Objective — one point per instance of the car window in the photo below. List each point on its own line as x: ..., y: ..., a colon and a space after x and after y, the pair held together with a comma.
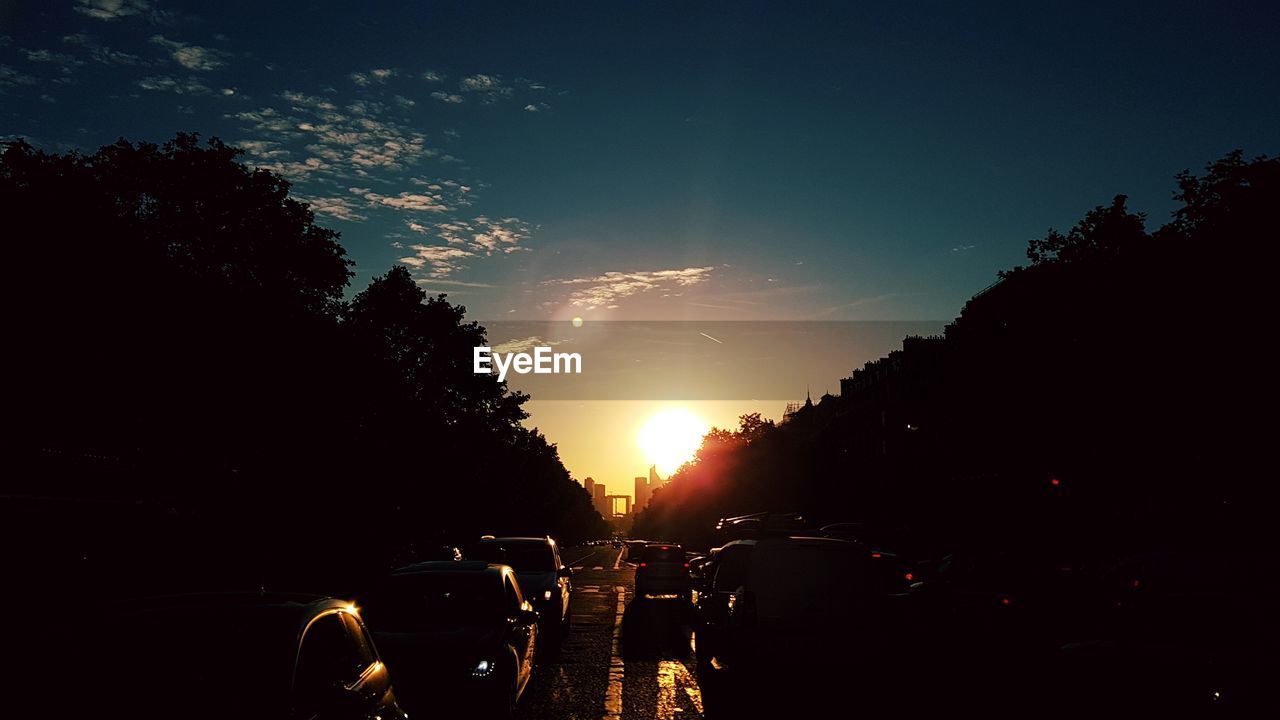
x: 421, y: 602
x: 330, y: 658
x: 663, y: 554
x: 362, y: 646
x: 731, y: 570
x: 522, y: 557
x: 515, y: 600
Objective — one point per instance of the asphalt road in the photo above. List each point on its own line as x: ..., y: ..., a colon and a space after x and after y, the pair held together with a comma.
x: 623, y: 659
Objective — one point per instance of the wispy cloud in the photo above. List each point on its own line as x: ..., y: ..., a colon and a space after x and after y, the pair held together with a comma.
x: 100, y: 53
x: 525, y: 344
x: 447, y: 98
x: 420, y: 202
x: 536, y: 107
x: 111, y: 9
x: 192, y: 57
x: 52, y: 58
x: 432, y: 76
x: 464, y: 240
x: 338, y: 207
x: 604, y: 291
x: 10, y: 77
x: 181, y: 86
x: 346, y: 141
x: 376, y: 76
x: 488, y: 88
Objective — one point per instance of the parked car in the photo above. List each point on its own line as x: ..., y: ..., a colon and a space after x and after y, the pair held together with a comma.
x: 241, y: 655
x: 787, y: 612
x: 543, y: 577
x: 459, y: 635
x: 662, y: 573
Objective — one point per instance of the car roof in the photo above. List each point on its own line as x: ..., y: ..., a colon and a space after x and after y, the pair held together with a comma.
x: 300, y: 603
x: 516, y: 539
x: 791, y: 539
x: 449, y: 566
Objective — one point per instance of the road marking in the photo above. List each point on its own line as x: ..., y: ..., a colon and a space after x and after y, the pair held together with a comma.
x: 615, y: 562
x: 577, y: 567
x: 617, y: 669
x: 597, y: 568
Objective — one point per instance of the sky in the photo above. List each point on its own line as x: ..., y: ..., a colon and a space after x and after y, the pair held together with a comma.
x: 659, y: 162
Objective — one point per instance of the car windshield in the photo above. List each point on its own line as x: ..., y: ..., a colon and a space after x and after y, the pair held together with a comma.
x: 522, y: 557
x: 663, y: 554
x: 423, y: 602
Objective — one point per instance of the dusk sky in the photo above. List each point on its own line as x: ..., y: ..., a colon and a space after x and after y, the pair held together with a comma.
x: 690, y: 161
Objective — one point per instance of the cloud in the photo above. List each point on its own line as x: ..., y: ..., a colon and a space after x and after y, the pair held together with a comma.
x: 351, y: 141
x: 102, y: 54
x: 437, y: 260
x: 536, y: 107
x: 339, y: 207
x: 962, y: 248
x: 374, y: 76
x: 111, y: 9
x: 403, y: 101
x: 166, y: 83
x: 9, y: 77
x: 525, y: 344
x: 55, y: 58
x: 465, y: 239
x: 447, y: 98
x: 192, y: 57
x: 488, y: 87
x: 432, y: 76
x: 605, y: 290
x: 484, y: 235
x: 420, y: 202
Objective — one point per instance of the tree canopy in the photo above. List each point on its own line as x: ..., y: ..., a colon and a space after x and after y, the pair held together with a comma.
x: 183, y: 337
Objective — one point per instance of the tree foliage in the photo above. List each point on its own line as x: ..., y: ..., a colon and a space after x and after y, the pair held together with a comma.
x: 182, y: 337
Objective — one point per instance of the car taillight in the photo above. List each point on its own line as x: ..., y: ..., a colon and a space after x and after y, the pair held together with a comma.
x: 644, y: 564
x: 909, y: 577
x: 686, y: 566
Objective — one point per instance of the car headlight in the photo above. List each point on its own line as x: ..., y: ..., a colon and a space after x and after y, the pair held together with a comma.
x: 484, y: 668
x: 546, y: 595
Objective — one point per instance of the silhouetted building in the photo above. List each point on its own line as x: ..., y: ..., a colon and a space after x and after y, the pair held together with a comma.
x: 599, y: 500
x: 645, y: 487
x: 613, y: 505
x: 590, y: 485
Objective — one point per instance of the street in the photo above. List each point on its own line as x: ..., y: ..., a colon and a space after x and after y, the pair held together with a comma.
x: 602, y: 673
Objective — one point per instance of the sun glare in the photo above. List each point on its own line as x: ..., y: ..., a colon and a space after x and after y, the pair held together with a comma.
x: 670, y: 438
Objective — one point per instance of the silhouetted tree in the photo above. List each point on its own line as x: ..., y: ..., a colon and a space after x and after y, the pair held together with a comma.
x: 1104, y: 232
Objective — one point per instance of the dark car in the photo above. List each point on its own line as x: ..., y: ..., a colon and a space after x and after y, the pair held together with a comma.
x: 662, y: 573
x: 237, y: 655
x: 543, y: 577
x: 785, y: 618
x: 458, y: 634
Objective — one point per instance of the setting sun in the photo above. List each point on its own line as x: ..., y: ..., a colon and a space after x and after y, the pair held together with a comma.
x: 670, y: 438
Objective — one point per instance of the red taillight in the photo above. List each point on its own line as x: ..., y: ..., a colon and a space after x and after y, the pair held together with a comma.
x: 686, y: 565
x: 875, y: 555
x: 643, y: 564
x: 909, y: 576
x: 1055, y: 482
x: 1004, y: 601
x: 664, y: 547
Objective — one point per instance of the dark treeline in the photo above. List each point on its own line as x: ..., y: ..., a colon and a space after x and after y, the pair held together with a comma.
x: 1107, y: 398
x: 192, y: 388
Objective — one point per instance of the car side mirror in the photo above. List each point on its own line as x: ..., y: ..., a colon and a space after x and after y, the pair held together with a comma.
x: 564, y: 572
x: 526, y: 616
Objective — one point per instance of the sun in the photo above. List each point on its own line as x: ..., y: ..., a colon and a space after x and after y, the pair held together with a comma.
x: 670, y: 438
